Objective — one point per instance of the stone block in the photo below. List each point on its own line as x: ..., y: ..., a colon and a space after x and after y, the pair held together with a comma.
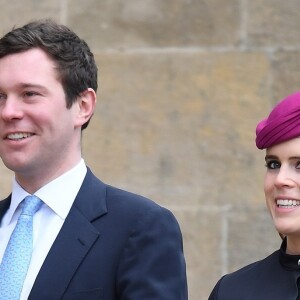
x: 180, y: 128
x: 202, y: 231
x: 251, y: 236
x: 154, y: 23
x: 17, y: 13
x: 273, y: 23
x: 286, y: 73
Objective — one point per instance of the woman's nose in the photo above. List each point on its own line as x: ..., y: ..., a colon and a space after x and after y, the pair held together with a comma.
x: 285, y: 178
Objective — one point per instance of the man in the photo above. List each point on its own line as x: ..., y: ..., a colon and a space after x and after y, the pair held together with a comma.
x: 90, y: 240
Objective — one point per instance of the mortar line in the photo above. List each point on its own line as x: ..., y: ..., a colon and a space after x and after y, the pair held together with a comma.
x: 192, y: 50
x: 243, y: 23
x: 224, y: 242
x: 64, y: 11
x: 270, y: 78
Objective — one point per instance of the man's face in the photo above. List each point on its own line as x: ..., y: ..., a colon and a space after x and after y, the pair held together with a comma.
x: 39, y: 137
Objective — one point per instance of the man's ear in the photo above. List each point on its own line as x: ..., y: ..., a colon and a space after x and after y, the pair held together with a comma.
x: 86, y: 105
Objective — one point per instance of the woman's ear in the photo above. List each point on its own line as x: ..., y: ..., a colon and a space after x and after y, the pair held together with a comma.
x: 86, y: 105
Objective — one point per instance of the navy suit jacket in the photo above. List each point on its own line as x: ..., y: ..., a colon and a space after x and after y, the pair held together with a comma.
x: 113, y: 245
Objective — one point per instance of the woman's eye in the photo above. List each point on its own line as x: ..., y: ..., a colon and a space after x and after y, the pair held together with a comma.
x: 2, y: 97
x: 273, y: 164
x: 298, y: 165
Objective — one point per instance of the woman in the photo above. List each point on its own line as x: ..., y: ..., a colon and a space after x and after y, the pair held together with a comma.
x: 277, y: 276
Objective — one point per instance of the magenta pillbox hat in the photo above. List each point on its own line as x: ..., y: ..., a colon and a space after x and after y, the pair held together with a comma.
x: 282, y: 124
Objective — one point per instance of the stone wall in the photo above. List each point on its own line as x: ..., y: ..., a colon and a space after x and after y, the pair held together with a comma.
x: 183, y: 84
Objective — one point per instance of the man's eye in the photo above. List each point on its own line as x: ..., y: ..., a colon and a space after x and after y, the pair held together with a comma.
x: 30, y: 94
x: 273, y: 164
x: 2, y: 96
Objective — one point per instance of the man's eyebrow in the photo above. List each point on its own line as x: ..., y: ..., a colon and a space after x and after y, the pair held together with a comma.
x: 32, y: 85
x: 25, y: 86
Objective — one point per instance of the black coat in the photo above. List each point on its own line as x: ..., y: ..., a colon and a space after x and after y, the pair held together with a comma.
x: 273, y: 278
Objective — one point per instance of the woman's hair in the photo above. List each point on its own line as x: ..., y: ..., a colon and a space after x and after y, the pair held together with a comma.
x: 74, y: 60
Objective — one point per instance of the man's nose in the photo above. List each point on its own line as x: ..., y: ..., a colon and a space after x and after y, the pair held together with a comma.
x: 11, y: 109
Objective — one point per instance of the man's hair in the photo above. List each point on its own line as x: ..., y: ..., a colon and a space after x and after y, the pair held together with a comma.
x: 75, y: 62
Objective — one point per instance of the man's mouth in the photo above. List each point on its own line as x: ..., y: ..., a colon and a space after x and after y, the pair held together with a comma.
x: 286, y: 203
x: 18, y: 136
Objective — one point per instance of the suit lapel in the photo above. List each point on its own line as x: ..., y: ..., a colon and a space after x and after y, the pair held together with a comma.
x: 73, y: 242
x: 4, y: 205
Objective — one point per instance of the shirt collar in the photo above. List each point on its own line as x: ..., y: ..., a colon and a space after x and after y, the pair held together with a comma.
x: 59, y: 194
x: 288, y: 261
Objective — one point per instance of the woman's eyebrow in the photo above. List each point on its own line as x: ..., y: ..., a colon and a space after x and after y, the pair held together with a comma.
x: 294, y: 157
x: 268, y: 157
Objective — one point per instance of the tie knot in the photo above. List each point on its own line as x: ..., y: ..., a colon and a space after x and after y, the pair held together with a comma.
x: 31, y: 205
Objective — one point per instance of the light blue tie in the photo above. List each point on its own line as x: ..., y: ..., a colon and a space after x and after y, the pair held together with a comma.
x: 16, y: 259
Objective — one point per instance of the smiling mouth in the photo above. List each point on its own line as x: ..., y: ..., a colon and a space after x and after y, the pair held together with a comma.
x: 285, y: 203
x: 18, y: 136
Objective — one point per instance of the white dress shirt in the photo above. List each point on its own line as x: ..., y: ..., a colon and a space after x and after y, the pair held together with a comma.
x: 58, y: 197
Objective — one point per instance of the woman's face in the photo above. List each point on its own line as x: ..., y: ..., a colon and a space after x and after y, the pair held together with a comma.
x: 282, y: 186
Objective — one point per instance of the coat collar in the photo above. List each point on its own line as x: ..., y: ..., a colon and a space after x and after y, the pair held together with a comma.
x: 75, y: 239
x: 95, y: 191
x: 92, y: 209
x: 288, y: 261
